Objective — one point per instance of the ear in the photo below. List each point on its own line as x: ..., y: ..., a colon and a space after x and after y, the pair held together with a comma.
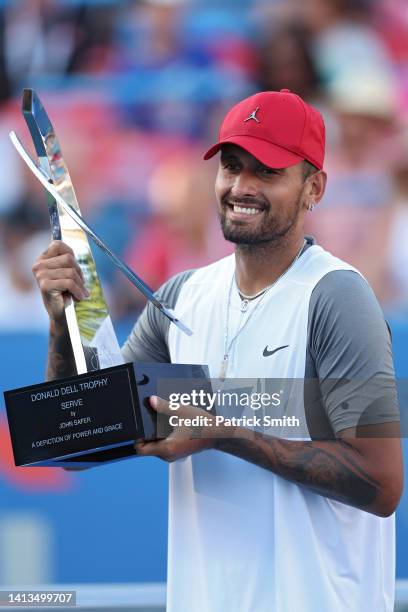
x: 315, y: 188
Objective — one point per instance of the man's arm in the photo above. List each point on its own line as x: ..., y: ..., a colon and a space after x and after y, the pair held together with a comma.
x: 60, y: 360
x: 58, y: 274
x: 365, y: 472
x: 349, y: 355
x: 362, y: 468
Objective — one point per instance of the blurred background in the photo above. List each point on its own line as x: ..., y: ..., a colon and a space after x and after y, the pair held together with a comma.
x: 136, y: 90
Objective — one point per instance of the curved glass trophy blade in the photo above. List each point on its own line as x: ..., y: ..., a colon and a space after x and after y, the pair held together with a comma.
x: 93, y: 339
x: 128, y: 272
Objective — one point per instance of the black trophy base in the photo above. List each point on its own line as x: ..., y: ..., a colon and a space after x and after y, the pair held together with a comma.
x: 93, y: 418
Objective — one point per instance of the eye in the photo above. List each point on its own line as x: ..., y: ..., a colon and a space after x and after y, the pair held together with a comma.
x: 231, y: 166
x: 266, y: 171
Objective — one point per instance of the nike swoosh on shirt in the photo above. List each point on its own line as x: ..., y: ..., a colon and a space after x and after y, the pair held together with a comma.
x: 267, y: 353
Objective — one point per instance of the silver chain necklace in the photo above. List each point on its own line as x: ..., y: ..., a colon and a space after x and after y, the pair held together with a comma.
x: 245, y: 299
x: 261, y: 294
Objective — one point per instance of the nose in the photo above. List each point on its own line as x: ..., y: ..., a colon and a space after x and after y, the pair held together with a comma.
x: 245, y: 184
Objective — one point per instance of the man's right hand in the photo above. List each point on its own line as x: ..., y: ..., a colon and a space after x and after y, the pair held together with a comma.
x: 58, y: 273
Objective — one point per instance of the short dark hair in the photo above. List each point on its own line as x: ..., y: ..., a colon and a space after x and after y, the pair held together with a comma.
x: 308, y: 169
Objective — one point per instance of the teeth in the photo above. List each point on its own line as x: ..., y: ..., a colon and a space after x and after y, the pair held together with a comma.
x: 247, y: 211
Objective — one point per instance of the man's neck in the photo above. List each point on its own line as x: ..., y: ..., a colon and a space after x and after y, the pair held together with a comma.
x: 258, y: 266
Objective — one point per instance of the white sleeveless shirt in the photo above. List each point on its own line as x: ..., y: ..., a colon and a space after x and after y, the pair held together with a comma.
x: 242, y: 539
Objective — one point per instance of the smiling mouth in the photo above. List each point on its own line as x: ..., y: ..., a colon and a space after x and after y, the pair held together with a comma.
x: 245, y: 210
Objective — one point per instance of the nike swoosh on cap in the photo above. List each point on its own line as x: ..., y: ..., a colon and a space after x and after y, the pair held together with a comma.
x: 267, y: 353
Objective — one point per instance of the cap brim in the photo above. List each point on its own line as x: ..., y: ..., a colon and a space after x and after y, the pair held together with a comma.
x: 267, y: 153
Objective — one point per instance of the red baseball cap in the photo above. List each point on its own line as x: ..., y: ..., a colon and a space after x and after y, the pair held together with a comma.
x: 276, y: 127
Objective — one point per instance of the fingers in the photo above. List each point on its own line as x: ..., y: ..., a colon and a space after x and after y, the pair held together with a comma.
x: 49, y: 287
x: 61, y: 260
x: 57, y: 272
x: 160, y: 405
x: 60, y: 273
x: 52, y: 279
x: 170, y: 449
x: 66, y: 260
x: 166, y: 449
x: 57, y: 247
x: 157, y: 448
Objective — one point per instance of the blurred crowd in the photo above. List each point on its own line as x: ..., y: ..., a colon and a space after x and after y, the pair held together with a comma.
x: 136, y: 90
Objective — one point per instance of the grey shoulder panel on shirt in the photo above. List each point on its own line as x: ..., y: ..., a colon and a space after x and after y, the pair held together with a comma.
x: 148, y: 340
x: 349, y: 354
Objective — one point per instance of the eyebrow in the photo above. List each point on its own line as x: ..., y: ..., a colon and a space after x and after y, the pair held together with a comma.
x: 225, y: 155
x: 232, y: 157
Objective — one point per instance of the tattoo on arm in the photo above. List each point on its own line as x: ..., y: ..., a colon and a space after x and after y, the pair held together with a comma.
x: 331, y: 468
x: 61, y: 361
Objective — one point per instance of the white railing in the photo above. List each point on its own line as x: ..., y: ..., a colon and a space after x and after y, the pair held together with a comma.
x: 138, y: 597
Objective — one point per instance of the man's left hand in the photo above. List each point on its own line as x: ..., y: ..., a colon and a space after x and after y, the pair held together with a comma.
x: 184, y: 440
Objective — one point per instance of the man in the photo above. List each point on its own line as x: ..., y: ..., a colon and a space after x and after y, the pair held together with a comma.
x: 260, y: 523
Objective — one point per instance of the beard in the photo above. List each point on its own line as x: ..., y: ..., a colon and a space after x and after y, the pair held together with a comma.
x: 268, y: 229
